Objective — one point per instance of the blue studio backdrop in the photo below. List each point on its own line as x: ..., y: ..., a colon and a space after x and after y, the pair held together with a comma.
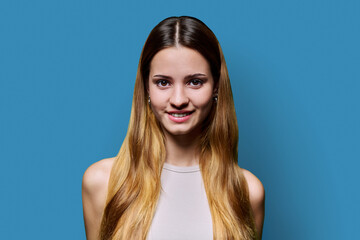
x: 67, y: 72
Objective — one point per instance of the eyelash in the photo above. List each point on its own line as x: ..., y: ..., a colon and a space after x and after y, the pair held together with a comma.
x: 158, y: 82
x: 198, y: 82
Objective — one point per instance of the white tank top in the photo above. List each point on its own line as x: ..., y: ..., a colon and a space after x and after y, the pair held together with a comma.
x: 183, y: 211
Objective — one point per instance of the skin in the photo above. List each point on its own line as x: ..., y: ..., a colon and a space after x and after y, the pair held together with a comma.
x: 180, y: 80
x: 171, y: 90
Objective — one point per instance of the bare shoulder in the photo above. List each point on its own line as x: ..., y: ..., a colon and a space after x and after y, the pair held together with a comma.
x: 97, y: 175
x: 257, y: 199
x: 94, y: 193
x: 256, y: 188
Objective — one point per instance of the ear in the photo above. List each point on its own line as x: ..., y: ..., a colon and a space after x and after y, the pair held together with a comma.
x: 215, y: 91
x: 147, y: 87
x: 216, y: 87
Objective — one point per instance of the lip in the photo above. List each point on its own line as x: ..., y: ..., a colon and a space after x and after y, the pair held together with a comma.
x: 180, y: 111
x: 179, y: 119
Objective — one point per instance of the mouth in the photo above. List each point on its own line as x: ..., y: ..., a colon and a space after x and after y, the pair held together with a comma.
x: 180, y: 116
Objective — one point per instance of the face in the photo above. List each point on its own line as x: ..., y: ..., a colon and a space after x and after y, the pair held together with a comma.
x: 181, y: 89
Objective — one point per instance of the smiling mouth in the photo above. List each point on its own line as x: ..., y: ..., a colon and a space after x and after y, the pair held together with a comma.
x: 180, y: 115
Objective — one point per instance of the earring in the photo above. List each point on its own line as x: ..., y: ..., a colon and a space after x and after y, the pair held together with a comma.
x: 216, y: 98
x: 149, y: 100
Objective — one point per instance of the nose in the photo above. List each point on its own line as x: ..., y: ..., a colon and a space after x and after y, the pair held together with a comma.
x: 179, y: 98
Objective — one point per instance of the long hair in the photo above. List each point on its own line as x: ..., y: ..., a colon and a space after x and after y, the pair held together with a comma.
x: 135, y: 179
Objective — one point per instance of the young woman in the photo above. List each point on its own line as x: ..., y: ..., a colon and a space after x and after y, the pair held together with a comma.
x: 176, y: 175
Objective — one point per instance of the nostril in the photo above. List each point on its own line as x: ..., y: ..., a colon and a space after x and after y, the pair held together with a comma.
x: 180, y: 106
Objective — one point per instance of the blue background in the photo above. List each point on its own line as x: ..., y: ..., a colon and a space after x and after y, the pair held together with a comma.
x: 67, y: 70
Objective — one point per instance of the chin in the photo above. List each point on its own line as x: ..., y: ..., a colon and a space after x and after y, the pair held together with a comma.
x: 181, y: 131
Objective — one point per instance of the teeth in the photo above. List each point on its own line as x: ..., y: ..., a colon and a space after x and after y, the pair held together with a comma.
x: 179, y: 114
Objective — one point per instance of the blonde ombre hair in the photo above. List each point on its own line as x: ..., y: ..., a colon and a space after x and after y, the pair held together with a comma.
x: 134, y: 185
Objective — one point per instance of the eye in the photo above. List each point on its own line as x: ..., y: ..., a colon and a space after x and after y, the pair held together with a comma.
x: 162, y: 83
x: 195, y: 82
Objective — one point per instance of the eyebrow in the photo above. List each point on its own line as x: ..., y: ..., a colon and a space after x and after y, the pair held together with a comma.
x: 187, y: 77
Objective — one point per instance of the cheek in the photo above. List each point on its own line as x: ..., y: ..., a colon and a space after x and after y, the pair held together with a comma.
x: 158, y: 100
x: 202, y: 100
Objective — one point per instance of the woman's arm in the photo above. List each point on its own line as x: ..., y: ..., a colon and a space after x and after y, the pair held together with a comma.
x: 257, y: 199
x: 94, y: 192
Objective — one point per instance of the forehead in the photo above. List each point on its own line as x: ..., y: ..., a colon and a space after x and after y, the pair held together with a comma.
x: 178, y: 61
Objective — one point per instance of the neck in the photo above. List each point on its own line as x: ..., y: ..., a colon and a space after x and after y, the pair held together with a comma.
x: 182, y: 150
